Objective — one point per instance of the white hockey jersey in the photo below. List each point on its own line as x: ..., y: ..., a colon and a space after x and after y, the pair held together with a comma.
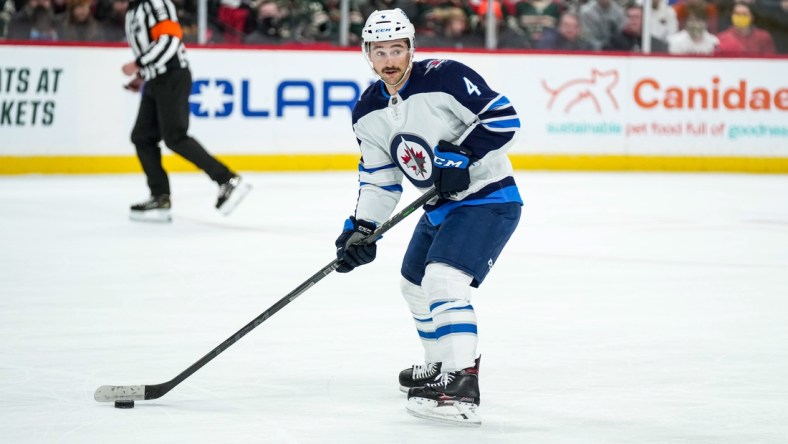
x: 442, y: 100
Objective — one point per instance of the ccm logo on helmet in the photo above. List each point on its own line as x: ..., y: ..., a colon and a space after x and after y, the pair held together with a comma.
x: 383, y: 30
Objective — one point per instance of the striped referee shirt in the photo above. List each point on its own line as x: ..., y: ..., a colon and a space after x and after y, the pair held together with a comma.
x: 155, y: 35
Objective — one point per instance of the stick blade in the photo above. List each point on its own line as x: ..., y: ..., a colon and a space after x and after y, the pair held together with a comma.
x: 110, y: 393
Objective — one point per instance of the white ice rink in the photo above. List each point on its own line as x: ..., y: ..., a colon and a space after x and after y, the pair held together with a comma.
x: 628, y: 308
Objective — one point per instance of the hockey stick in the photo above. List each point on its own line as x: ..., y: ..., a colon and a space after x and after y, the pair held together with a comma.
x: 107, y: 393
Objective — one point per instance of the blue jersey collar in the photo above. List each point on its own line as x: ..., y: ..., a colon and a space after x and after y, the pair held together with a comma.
x: 386, y: 93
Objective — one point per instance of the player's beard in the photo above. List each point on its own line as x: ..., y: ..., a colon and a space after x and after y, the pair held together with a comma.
x: 391, y: 75
x: 397, y: 77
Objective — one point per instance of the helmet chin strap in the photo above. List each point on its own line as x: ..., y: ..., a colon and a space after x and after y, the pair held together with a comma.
x: 404, y: 76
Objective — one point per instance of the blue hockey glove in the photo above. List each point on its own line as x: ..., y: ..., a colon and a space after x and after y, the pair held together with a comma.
x: 451, y: 174
x: 349, y: 251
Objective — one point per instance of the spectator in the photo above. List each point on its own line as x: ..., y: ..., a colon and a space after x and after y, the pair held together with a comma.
x: 102, y: 9
x: 78, y: 24
x: 324, y: 21
x: 36, y: 21
x: 664, y: 21
x: 631, y: 37
x: 454, y: 31
x: 699, y: 8
x: 600, y: 21
x: 743, y: 37
x: 7, y: 9
x: 59, y: 7
x: 269, y: 26
x: 187, y: 17
x: 232, y: 17
x: 774, y: 20
x: 567, y: 37
x: 507, y: 36
x: 694, y: 39
x: 113, y: 25
x: 724, y: 11
x: 431, y: 13
x: 423, y: 20
x: 479, y: 10
x: 537, y: 15
x: 409, y: 7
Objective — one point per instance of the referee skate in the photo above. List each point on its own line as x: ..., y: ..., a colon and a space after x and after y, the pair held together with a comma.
x: 155, y: 209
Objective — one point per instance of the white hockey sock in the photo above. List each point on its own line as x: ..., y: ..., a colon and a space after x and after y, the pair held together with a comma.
x: 419, y: 307
x: 453, y: 317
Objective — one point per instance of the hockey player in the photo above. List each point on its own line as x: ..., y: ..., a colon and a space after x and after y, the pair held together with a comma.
x: 155, y: 37
x: 436, y: 123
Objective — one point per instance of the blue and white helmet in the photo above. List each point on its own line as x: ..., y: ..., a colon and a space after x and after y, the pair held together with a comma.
x: 387, y: 25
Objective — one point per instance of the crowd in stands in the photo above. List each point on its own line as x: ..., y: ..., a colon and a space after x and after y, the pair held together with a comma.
x: 727, y: 27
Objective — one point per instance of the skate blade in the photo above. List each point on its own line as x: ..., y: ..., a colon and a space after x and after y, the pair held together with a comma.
x: 457, y: 413
x: 235, y: 198
x: 158, y: 216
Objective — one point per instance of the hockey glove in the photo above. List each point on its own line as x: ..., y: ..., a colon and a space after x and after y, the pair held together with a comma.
x: 451, y: 174
x: 349, y: 249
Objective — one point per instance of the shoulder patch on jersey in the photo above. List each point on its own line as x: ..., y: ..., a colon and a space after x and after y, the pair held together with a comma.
x: 433, y: 64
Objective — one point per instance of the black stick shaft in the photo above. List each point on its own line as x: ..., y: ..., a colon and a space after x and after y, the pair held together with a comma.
x: 159, y: 390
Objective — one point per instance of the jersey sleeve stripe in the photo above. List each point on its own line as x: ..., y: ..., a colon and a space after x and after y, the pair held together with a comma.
x: 498, y: 113
x: 500, y: 102
x: 502, y: 124
x: 376, y: 169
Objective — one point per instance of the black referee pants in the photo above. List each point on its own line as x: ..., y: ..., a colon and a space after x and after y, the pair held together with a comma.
x: 164, y: 115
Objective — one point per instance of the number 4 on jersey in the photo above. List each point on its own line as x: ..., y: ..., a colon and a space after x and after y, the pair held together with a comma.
x: 472, y: 89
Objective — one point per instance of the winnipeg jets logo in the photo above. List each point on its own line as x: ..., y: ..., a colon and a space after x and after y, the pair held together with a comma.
x: 414, y: 160
x: 433, y: 64
x: 414, y: 157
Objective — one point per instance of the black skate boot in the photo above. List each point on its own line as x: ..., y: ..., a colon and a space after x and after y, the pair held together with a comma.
x: 155, y: 209
x: 453, y: 397
x: 230, y: 194
x: 418, y: 375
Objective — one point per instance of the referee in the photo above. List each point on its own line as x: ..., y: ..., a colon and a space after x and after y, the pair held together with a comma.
x: 162, y: 73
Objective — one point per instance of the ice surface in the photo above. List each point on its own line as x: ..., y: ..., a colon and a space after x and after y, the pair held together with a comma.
x: 628, y: 308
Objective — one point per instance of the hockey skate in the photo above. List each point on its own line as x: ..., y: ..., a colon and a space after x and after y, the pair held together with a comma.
x: 155, y: 209
x: 418, y: 375
x: 230, y: 194
x: 452, y: 398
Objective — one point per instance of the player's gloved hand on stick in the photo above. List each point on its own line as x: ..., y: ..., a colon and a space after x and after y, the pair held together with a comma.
x: 451, y: 174
x: 351, y: 255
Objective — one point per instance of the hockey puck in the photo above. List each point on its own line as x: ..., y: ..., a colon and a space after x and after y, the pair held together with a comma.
x: 125, y: 404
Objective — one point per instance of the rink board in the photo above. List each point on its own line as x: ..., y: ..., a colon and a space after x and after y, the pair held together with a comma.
x: 63, y: 110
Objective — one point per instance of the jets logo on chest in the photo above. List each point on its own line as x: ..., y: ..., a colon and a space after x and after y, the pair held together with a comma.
x: 413, y: 156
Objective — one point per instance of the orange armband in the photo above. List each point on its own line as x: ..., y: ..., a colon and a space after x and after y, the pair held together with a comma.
x: 167, y: 27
